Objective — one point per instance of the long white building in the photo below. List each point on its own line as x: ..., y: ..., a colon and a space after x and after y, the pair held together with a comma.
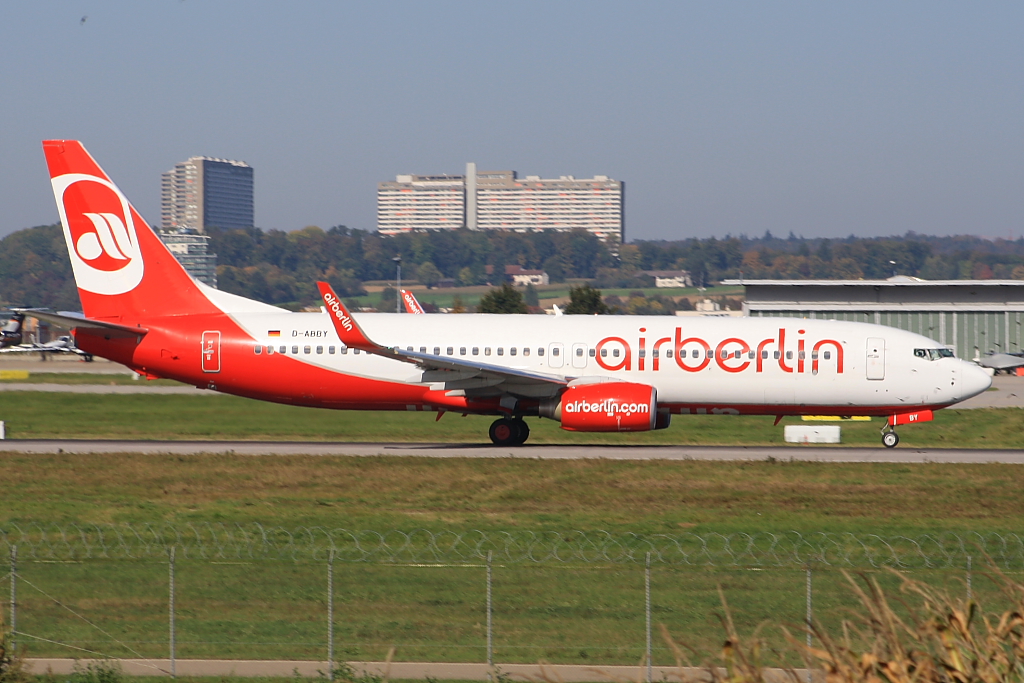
x: 500, y: 200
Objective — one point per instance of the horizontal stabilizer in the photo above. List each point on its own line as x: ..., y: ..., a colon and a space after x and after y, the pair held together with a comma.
x: 74, y: 320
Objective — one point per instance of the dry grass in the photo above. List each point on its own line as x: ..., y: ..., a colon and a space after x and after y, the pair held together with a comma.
x: 931, y: 638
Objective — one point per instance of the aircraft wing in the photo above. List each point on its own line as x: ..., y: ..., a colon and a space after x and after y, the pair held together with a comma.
x: 1001, y: 361
x: 456, y: 373
x: 73, y: 320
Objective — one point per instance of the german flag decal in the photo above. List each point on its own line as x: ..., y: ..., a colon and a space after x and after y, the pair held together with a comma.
x: 274, y: 333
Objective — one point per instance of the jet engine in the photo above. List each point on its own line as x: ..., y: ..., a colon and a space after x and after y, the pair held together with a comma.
x: 606, y: 407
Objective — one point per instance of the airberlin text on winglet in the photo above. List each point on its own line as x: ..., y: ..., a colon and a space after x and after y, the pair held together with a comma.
x: 733, y: 355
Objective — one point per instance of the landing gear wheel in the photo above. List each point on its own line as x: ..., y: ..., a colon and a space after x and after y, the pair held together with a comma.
x: 505, y: 432
x: 524, y: 431
x: 890, y: 439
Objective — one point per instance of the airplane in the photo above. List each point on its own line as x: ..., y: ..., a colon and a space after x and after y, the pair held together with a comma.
x: 589, y: 373
x: 1001, y: 362
x: 412, y: 304
x: 11, y: 340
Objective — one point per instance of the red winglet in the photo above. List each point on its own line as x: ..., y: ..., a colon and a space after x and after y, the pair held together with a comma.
x: 348, y: 329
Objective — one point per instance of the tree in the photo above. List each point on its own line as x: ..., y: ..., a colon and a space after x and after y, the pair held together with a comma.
x: 530, y: 295
x: 585, y: 300
x: 504, y: 299
x: 428, y: 275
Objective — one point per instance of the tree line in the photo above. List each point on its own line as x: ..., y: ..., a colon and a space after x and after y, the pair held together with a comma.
x: 281, y: 267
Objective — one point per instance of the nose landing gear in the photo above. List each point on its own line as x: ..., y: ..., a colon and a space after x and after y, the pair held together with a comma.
x: 509, y: 431
x: 890, y: 438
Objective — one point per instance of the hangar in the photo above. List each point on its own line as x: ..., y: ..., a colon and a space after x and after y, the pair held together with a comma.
x: 972, y: 317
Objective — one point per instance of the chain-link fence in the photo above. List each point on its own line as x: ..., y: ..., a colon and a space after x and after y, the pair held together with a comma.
x: 253, y: 592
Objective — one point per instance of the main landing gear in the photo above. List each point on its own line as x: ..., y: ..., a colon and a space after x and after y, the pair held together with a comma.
x: 509, y: 431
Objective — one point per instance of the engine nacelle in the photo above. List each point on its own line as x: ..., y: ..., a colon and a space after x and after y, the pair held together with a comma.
x: 605, y: 407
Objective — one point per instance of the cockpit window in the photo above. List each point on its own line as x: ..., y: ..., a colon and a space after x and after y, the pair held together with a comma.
x: 933, y: 354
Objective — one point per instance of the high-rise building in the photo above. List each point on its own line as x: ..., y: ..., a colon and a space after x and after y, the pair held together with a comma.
x: 193, y: 253
x: 202, y: 192
x: 500, y: 200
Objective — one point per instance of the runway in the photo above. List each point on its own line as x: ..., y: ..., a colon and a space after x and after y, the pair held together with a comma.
x: 538, y: 452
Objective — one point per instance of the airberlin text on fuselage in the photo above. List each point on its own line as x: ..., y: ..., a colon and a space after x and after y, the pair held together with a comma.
x: 338, y: 312
x: 733, y: 354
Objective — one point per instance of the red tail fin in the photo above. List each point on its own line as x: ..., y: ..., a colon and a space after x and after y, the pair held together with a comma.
x: 123, y: 271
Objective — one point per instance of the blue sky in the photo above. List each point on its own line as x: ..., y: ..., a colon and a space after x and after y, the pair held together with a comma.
x: 825, y: 119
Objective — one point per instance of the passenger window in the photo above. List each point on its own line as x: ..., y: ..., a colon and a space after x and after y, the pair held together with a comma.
x: 615, y: 353
x: 526, y: 350
x: 330, y: 350
x: 476, y: 350
x: 306, y: 349
x: 814, y: 355
x: 320, y: 349
x: 270, y: 350
x: 462, y: 350
x: 501, y: 351
x: 789, y: 355
x: 710, y: 353
x: 668, y: 353
x: 592, y: 353
x: 408, y: 348
x: 764, y: 354
x: 604, y: 353
x: 750, y: 354
x: 344, y: 350
x: 554, y: 352
x: 257, y: 350
x: 423, y: 349
x: 643, y: 353
x: 355, y: 351
x: 282, y: 349
x: 451, y: 351
x: 776, y: 354
x: 512, y: 351
x: 487, y: 350
x: 736, y: 354
x: 828, y: 355
x: 437, y: 350
x: 295, y: 349
x: 540, y: 350
x: 579, y: 353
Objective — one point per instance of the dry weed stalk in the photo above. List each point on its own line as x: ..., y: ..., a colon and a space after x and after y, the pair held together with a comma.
x: 943, y: 640
x: 12, y: 661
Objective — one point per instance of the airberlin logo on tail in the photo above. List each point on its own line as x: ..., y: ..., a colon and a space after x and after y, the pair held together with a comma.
x: 339, y: 312
x: 100, y: 233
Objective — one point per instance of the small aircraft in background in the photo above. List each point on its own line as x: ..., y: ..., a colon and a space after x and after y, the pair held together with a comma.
x: 1001, y: 362
x: 11, y: 339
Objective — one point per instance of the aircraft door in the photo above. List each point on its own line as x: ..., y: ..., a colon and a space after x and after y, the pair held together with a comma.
x: 555, y: 356
x: 875, y: 361
x: 579, y: 355
x: 211, y: 351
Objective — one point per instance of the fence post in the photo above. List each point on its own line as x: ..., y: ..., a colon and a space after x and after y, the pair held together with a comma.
x: 810, y: 616
x: 647, y: 615
x: 14, y: 597
x: 170, y: 608
x: 330, y: 615
x: 969, y: 559
x: 490, y: 624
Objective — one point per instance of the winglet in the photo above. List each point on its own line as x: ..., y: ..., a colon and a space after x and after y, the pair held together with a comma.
x: 348, y: 329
